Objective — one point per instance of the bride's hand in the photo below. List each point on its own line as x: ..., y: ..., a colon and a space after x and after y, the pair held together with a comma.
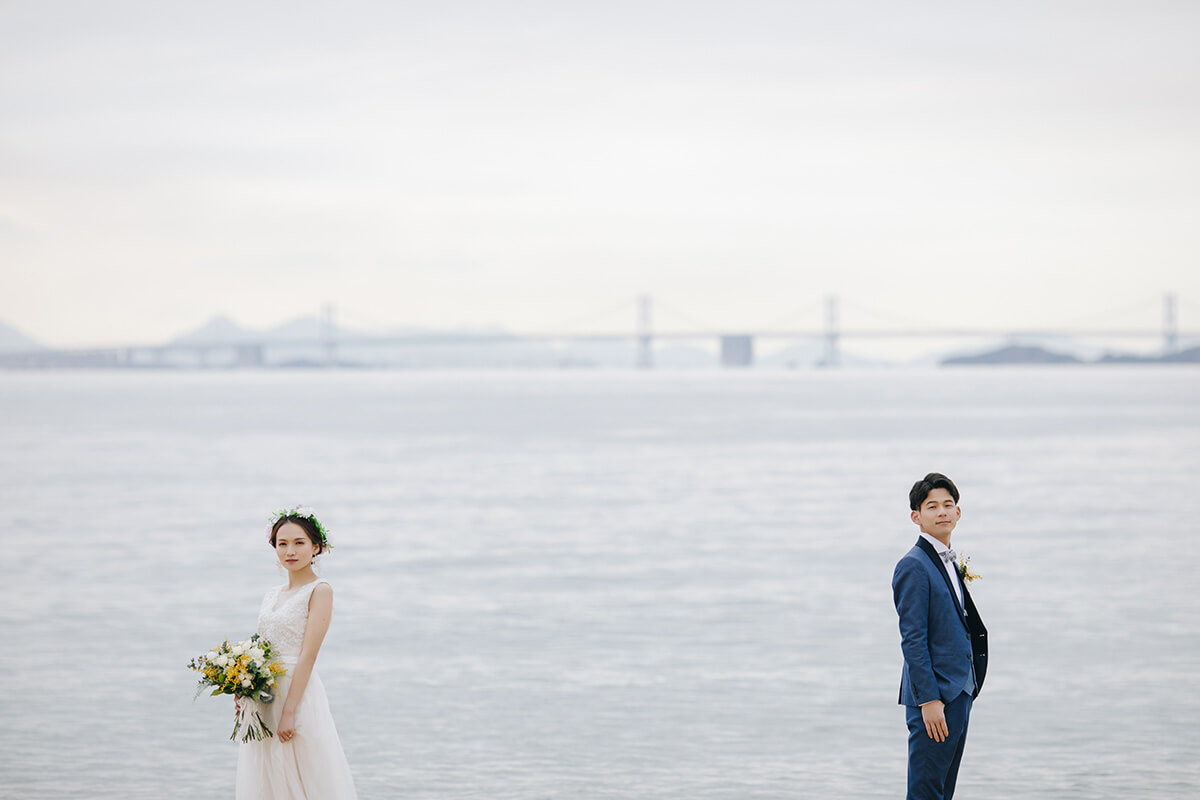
x: 287, y: 726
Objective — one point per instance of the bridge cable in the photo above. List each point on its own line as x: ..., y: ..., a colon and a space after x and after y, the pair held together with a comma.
x: 684, y: 316
x: 903, y: 322
x: 1143, y: 304
x: 596, y: 313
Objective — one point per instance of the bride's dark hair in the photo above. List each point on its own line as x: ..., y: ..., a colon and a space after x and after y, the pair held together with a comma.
x: 310, y: 530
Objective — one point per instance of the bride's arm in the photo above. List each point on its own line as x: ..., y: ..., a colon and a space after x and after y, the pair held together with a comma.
x: 320, y: 611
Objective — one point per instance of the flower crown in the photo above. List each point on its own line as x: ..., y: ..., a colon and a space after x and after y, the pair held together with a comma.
x: 301, y: 512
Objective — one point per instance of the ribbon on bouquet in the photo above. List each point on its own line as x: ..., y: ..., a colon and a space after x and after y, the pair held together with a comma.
x: 248, y: 718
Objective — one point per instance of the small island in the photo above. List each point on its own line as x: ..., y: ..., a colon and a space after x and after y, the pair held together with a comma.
x: 1032, y: 354
x: 1013, y: 354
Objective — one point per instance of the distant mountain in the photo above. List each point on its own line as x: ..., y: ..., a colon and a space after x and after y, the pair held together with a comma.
x: 218, y: 330
x: 223, y: 330
x: 1188, y: 356
x: 300, y: 342
x: 309, y: 330
x: 301, y: 329
x: 1080, y: 351
x: 13, y: 341
x: 1013, y: 354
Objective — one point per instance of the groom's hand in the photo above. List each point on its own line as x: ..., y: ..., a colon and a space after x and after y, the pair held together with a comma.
x: 934, y: 715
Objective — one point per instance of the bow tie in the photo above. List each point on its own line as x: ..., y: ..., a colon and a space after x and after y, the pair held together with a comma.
x: 949, y: 556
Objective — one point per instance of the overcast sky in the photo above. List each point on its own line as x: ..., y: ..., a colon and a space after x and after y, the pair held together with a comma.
x: 540, y: 165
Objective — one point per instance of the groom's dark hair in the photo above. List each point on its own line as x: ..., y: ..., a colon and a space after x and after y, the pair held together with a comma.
x: 922, y: 488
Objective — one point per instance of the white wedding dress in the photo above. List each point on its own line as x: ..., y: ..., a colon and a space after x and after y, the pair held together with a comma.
x: 312, y: 765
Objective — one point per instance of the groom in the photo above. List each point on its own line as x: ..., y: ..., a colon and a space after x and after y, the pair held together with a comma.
x: 943, y: 640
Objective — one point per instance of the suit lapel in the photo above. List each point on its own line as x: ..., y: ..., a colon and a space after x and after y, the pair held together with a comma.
x: 967, y: 601
x: 979, y: 643
x: 941, y: 570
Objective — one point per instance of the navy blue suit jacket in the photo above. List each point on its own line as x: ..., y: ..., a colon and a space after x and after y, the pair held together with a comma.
x: 941, y: 639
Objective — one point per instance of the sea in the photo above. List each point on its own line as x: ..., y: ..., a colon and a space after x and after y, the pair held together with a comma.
x: 603, y: 584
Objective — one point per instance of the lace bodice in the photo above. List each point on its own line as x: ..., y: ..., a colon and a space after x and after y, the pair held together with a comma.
x: 283, y: 617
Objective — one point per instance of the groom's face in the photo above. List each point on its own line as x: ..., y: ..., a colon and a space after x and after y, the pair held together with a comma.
x: 937, y: 514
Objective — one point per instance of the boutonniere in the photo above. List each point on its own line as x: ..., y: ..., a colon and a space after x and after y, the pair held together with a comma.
x: 964, y: 570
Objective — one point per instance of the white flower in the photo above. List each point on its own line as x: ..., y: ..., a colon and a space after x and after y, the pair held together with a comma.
x: 256, y: 653
x: 245, y: 681
x: 238, y: 650
x: 303, y: 511
x: 222, y: 661
x: 211, y: 655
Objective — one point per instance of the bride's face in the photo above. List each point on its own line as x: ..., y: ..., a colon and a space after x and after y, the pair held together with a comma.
x: 293, y: 548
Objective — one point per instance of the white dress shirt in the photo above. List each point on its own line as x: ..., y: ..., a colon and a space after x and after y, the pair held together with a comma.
x: 951, y: 569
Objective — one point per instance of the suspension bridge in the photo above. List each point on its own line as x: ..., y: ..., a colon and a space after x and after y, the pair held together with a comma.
x: 736, y: 348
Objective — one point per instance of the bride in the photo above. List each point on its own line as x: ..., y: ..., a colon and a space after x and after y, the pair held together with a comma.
x: 304, y: 760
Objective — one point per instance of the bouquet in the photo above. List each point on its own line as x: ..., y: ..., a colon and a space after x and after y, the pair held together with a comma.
x: 246, y: 671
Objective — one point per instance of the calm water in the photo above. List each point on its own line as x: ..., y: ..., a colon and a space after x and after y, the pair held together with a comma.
x: 603, y: 585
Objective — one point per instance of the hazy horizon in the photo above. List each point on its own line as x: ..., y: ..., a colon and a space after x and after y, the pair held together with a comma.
x: 539, y: 167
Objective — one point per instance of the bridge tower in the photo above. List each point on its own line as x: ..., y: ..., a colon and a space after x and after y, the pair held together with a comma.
x: 1170, y: 324
x: 832, y: 357
x: 645, y: 333
x: 329, y: 334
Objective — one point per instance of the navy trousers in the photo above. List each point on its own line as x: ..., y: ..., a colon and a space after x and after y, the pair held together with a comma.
x: 933, y: 766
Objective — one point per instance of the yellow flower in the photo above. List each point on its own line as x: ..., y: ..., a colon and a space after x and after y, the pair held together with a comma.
x: 964, y: 570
